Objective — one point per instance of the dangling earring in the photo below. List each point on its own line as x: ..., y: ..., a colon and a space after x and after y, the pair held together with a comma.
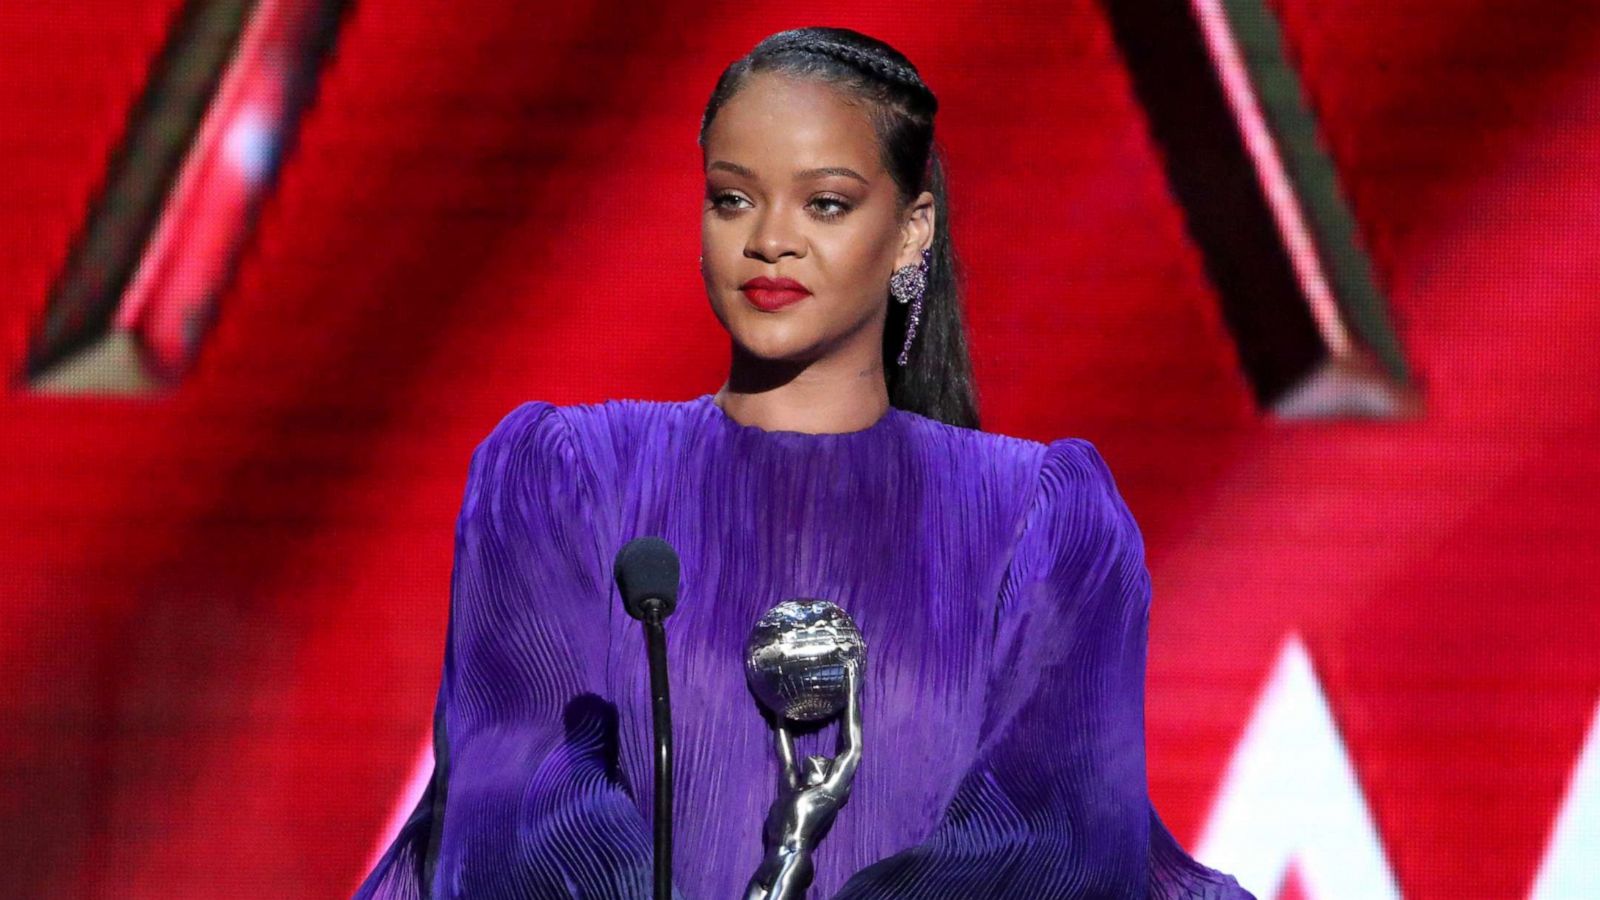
x: 908, y: 284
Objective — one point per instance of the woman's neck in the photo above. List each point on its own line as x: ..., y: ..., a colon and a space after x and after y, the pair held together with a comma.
x: 814, y: 399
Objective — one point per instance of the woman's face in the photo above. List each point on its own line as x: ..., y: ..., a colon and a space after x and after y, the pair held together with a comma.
x: 795, y: 190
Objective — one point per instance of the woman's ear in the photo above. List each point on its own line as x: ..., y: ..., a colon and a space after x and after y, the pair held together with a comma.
x: 917, y: 230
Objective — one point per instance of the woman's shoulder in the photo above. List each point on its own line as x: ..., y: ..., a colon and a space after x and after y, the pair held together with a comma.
x: 532, y: 426
x: 581, y: 421
x: 1075, y: 463
x: 1048, y: 467
x: 529, y: 449
x: 1064, y: 484
x: 572, y: 439
x: 1077, y: 520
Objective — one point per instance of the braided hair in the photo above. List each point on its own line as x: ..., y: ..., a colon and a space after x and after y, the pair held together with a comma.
x: 937, y: 379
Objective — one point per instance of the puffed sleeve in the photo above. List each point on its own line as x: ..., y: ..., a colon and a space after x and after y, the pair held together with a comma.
x: 1055, y: 803
x: 526, y: 797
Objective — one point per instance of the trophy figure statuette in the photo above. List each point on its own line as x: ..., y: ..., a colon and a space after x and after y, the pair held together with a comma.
x: 804, y: 661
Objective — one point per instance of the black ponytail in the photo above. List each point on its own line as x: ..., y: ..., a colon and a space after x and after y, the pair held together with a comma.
x: 936, y: 380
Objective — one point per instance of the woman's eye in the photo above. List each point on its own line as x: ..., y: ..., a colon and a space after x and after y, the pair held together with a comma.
x: 826, y: 207
x: 831, y: 207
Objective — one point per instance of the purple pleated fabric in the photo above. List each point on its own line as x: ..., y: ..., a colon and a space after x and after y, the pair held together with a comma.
x: 1001, y: 589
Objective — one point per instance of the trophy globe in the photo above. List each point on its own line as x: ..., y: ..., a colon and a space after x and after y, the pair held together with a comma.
x: 797, y: 656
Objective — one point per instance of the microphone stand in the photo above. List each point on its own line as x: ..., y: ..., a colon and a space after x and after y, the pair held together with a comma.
x: 655, y: 637
x: 646, y: 570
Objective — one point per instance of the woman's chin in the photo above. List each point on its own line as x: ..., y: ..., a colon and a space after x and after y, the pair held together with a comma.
x: 778, y: 343
x: 780, y: 353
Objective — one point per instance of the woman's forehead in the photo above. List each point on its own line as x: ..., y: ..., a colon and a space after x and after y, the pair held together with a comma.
x: 775, y: 125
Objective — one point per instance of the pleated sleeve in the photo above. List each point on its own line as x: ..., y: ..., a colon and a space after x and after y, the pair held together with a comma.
x: 526, y: 797
x: 1055, y: 803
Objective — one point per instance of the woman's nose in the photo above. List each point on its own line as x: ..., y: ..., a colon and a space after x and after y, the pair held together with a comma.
x: 773, y: 237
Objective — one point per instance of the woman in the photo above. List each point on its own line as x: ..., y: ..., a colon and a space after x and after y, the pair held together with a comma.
x: 999, y: 583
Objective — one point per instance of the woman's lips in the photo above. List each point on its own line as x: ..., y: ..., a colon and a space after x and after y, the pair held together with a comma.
x: 770, y: 299
x: 773, y: 293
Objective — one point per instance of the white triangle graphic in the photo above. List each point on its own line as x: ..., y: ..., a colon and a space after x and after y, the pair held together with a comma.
x: 1571, y: 866
x: 416, y: 783
x: 1290, y: 796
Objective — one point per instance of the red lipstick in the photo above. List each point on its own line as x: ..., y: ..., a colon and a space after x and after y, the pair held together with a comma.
x: 774, y: 293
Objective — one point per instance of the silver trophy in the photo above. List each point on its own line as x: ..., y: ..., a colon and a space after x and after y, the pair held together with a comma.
x: 804, y: 661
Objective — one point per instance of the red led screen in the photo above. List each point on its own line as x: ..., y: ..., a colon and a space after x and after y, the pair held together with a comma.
x: 1374, y: 660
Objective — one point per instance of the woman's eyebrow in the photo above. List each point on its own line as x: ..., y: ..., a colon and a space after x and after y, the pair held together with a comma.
x: 735, y: 168
x: 831, y: 170
x: 803, y: 173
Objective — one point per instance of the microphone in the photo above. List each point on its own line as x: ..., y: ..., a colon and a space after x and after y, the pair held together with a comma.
x: 646, y: 570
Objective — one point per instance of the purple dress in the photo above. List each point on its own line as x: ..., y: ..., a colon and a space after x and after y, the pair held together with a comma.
x: 1001, y: 589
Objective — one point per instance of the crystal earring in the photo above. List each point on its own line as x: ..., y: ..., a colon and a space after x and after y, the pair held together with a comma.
x: 908, y: 284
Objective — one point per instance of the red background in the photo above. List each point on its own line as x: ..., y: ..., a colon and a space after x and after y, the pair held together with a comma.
x: 223, y: 609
